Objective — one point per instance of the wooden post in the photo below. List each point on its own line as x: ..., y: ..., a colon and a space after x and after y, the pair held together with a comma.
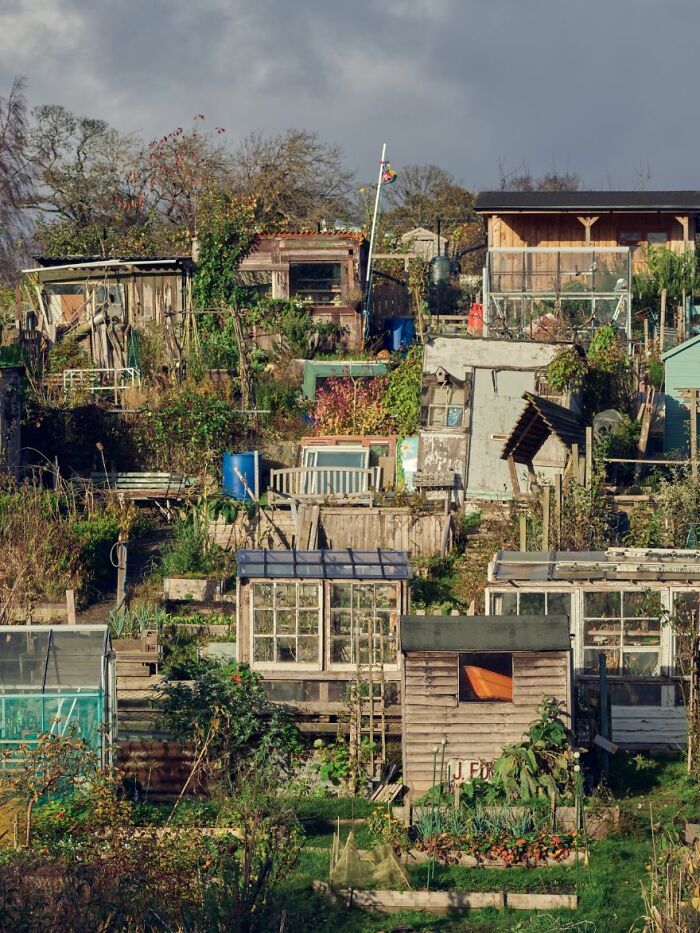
x: 646, y: 336
x: 575, y: 462
x: 122, y: 546
x: 662, y: 321
x: 523, y: 531
x: 694, y: 432
x: 589, y: 456
x: 545, y: 517
x: 557, y: 509
x: 70, y: 607
x: 603, y: 725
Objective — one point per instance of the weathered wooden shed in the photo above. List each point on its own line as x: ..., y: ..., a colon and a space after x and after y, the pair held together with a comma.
x: 617, y: 602
x: 101, y: 301
x: 682, y: 373
x: 471, y: 396
x: 312, y: 621
x: 324, y: 270
x: 474, y: 683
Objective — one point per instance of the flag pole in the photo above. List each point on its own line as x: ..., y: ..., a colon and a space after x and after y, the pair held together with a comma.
x: 370, y: 258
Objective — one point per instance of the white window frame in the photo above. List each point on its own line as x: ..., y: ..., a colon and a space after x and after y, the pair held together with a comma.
x: 655, y: 649
x: 352, y: 666
x: 286, y: 665
x: 309, y: 458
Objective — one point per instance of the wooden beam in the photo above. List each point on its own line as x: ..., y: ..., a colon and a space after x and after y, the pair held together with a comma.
x: 589, y: 456
x: 545, y: 517
x: 515, y: 482
x: 662, y: 321
x: 587, y: 223
x: 694, y: 433
x: 684, y: 221
x: 523, y: 531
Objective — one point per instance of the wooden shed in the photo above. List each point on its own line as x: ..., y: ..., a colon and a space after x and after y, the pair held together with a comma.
x: 324, y: 270
x: 681, y: 377
x: 475, y: 683
x: 314, y: 621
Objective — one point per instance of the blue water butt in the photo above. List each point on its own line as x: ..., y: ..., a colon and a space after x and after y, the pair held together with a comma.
x: 402, y: 332
x: 247, y: 484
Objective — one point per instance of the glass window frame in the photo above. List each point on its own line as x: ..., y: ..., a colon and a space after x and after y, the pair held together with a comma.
x: 530, y: 591
x: 315, y: 665
x: 455, y: 400
x: 332, y: 665
x: 330, y: 296
x: 620, y: 620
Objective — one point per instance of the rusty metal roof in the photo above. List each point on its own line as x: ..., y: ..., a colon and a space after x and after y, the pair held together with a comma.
x: 540, y: 419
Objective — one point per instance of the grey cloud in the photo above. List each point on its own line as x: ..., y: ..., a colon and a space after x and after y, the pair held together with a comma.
x: 602, y: 88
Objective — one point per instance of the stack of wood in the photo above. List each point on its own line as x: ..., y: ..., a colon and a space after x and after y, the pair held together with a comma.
x: 137, y: 657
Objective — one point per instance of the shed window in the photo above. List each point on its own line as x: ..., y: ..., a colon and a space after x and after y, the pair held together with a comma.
x: 315, y: 282
x: 286, y: 623
x: 519, y: 603
x: 486, y: 677
x: 363, y: 614
x: 446, y: 407
x: 625, y: 627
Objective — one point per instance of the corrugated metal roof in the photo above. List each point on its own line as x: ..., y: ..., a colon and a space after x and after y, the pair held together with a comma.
x: 631, y: 564
x: 490, y: 201
x: 540, y: 419
x: 324, y: 565
x: 485, y: 633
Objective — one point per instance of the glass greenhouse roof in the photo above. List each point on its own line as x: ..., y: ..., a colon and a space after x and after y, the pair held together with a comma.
x: 52, y: 659
x: 345, y: 564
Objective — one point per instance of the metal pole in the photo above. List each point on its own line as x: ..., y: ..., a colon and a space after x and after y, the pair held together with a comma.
x: 370, y: 258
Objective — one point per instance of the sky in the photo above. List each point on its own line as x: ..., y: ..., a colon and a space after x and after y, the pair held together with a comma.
x: 603, y: 88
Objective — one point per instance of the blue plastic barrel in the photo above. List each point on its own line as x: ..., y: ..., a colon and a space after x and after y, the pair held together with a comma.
x: 402, y: 332
x: 247, y: 484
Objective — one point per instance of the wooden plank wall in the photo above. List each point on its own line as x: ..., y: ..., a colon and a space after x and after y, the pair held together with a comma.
x: 420, y: 534
x: 566, y: 230
x: 649, y: 726
x: 475, y: 731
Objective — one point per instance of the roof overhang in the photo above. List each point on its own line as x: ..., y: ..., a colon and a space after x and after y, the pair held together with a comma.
x: 485, y: 633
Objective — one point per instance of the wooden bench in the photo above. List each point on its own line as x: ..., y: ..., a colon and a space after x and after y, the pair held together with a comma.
x: 146, y: 485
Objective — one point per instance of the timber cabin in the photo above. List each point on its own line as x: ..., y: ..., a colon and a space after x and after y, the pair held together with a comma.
x: 471, y: 396
x: 102, y: 302
x: 574, y: 251
x: 323, y: 270
x: 474, y: 685
x: 311, y: 622
x: 614, y: 600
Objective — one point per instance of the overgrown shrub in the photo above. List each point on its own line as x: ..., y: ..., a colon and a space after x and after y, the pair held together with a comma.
x: 352, y: 406
x: 402, y: 396
x: 189, y: 430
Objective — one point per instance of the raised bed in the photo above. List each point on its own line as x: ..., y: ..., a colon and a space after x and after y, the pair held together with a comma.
x: 197, y: 589
x: 417, y: 857
x: 443, y: 902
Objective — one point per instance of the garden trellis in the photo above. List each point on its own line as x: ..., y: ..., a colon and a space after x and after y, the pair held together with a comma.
x: 57, y: 679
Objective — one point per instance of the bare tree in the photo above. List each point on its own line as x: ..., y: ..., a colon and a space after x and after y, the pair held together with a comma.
x: 296, y: 179
x: 421, y: 193
x: 521, y: 179
x: 86, y: 172
x: 181, y: 165
x: 15, y: 176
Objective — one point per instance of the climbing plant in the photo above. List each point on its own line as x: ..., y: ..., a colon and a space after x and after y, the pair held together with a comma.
x: 225, y: 235
x: 402, y: 397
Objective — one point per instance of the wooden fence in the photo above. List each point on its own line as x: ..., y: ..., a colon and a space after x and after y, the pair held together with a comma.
x: 421, y: 534
x: 317, y: 484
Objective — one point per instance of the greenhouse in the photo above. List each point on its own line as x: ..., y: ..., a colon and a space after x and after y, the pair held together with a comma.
x: 58, y: 679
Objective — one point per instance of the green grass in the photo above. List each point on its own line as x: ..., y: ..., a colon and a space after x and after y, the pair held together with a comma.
x: 609, y: 888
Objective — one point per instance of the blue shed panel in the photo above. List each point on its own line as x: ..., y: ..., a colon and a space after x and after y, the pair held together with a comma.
x: 682, y: 371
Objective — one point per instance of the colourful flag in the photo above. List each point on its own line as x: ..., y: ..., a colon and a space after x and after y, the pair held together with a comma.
x: 388, y: 175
